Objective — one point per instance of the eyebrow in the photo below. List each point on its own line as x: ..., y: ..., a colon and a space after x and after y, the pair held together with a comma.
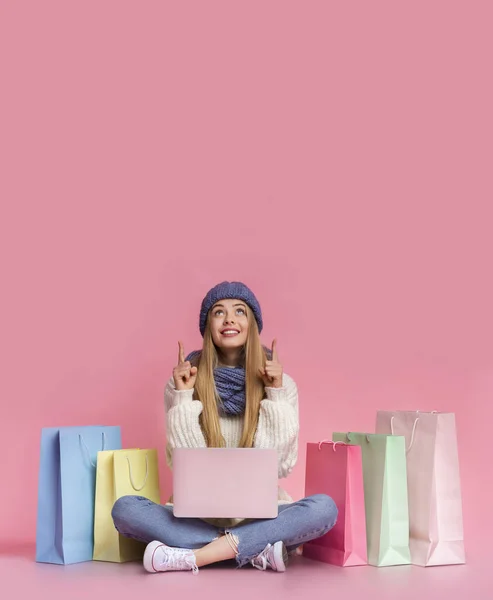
x: 222, y: 305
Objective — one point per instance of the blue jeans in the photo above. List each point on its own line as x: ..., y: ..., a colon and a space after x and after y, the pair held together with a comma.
x: 139, y: 518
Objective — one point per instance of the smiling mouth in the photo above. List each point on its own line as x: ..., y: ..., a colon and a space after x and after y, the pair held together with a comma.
x: 230, y: 332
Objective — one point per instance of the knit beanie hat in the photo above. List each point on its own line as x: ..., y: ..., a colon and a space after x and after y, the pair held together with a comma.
x: 231, y: 290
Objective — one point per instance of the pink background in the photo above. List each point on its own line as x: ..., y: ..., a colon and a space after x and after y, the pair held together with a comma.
x: 336, y: 157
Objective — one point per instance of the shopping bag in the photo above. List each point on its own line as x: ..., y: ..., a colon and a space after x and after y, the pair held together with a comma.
x: 67, y: 475
x: 336, y: 469
x: 131, y: 472
x: 385, y: 485
x: 433, y: 481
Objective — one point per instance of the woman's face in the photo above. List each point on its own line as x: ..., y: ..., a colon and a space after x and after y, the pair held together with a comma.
x: 229, y: 323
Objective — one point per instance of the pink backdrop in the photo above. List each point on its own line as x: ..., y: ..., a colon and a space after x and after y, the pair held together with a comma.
x: 334, y: 157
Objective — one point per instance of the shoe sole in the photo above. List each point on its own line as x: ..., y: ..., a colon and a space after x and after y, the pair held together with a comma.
x: 149, y: 556
x: 281, y: 557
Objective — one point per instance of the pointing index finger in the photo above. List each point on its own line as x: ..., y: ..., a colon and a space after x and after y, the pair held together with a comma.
x: 181, y: 353
x: 275, y: 356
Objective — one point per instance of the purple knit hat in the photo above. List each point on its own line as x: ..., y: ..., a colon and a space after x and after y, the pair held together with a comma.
x: 229, y: 289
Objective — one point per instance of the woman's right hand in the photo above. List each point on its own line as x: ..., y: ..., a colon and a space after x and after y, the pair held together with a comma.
x: 184, y: 374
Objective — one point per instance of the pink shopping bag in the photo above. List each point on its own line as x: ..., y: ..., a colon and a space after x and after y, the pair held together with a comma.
x: 436, y: 535
x: 335, y: 469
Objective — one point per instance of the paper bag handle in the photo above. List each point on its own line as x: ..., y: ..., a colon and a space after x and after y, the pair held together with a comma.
x: 348, y: 437
x: 334, y: 444
x: 412, y: 433
x: 81, y: 439
x: 137, y: 489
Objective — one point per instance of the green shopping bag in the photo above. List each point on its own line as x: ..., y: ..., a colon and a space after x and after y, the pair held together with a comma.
x: 386, y: 504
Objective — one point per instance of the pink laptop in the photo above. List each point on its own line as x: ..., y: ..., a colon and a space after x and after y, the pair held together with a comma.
x: 238, y: 483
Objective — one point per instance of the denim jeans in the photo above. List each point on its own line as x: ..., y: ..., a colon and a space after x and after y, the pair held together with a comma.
x: 299, y: 522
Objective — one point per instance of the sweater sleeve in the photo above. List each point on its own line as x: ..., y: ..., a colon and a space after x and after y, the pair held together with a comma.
x: 182, y: 420
x: 278, y: 424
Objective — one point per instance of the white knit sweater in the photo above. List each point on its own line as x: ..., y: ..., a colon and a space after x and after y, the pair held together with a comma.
x: 278, y: 425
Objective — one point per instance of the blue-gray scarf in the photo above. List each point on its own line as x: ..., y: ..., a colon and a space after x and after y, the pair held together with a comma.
x: 230, y: 385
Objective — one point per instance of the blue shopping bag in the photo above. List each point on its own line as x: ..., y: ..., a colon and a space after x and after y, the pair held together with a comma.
x: 66, y: 489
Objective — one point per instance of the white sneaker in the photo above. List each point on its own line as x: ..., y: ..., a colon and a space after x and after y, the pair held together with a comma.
x: 273, y: 556
x: 159, y: 557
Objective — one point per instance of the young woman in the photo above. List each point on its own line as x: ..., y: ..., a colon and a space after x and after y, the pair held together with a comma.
x: 232, y: 393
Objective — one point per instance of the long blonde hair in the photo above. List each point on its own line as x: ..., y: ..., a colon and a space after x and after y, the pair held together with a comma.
x: 254, y: 356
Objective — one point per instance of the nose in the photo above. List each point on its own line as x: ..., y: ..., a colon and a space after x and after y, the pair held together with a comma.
x: 228, y: 320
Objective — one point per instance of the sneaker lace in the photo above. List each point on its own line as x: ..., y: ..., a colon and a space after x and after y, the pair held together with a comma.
x: 261, y: 560
x: 175, y: 559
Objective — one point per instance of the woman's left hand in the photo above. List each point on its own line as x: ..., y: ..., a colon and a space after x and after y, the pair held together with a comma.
x: 271, y: 374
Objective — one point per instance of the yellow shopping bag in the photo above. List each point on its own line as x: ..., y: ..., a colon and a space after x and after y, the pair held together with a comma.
x: 121, y: 473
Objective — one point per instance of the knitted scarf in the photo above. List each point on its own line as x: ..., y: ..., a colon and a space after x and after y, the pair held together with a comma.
x: 230, y: 385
